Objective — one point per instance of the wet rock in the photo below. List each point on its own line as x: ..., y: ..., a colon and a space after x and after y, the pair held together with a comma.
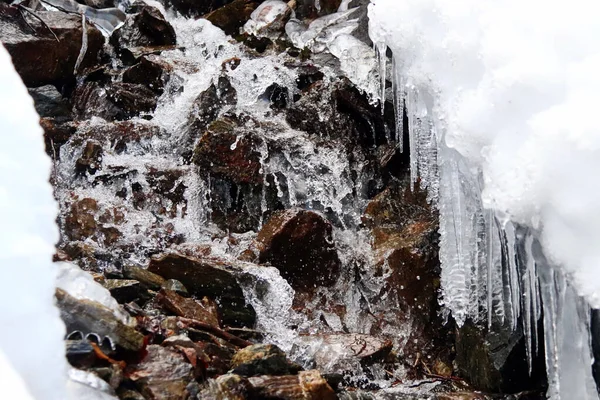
x: 346, y: 352
x: 209, y: 277
x: 38, y: 57
x: 186, y: 307
x: 163, y: 374
x: 300, y: 244
x: 49, y: 102
x: 80, y: 223
x: 278, y: 96
x: 116, y: 101
x: 88, y: 316
x: 308, y: 9
x: 91, y: 158
x: 120, y: 136
x: 305, y: 385
x: 150, y: 71
x: 219, y: 358
x: 176, y: 286
x: 230, y: 387
x: 129, y: 394
x: 191, y: 8
x: 146, y: 28
x: 231, y: 17
x: 56, y: 133
x: 262, y: 359
x: 269, y: 18
x: 148, y: 279
x: 228, y: 151
x: 126, y: 290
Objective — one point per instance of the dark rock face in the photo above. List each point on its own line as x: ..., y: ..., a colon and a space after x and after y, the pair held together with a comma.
x: 261, y: 359
x: 150, y: 71
x: 191, y: 8
x: 38, y: 57
x: 231, y: 17
x: 299, y: 243
x: 307, y: 8
x: 305, y: 385
x: 146, y: 28
x: 210, y: 278
x: 188, y: 308
x: 49, y: 102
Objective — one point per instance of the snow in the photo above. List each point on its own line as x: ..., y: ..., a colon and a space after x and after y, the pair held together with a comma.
x: 500, y: 98
x: 31, y: 338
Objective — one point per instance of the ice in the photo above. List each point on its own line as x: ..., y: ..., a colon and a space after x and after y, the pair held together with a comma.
x: 265, y: 16
x: 502, y: 128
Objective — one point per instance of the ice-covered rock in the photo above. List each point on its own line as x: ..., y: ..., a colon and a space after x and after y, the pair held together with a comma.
x: 269, y: 16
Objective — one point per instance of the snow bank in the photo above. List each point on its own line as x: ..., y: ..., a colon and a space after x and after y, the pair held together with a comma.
x: 32, y: 333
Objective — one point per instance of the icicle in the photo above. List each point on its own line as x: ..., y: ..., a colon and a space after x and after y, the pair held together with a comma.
x: 398, y: 97
x: 412, y: 133
x: 381, y: 49
x: 84, y: 43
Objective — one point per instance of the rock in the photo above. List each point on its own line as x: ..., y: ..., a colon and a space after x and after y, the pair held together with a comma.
x: 148, y: 279
x: 300, y: 244
x: 80, y: 353
x: 126, y: 290
x: 176, y: 286
x: 151, y: 71
x: 307, y: 385
x: 80, y: 223
x: 278, y: 96
x: 307, y: 9
x: 50, y: 103
x: 345, y: 352
x: 116, y: 101
x: 269, y: 18
x: 88, y: 316
x: 56, y: 133
x: 120, y: 136
x: 229, y: 387
x: 129, y: 394
x: 228, y: 151
x: 188, y: 308
x: 209, y: 277
x: 91, y: 158
x: 219, y: 358
x: 262, y: 359
x: 163, y: 374
x: 191, y: 8
x: 231, y: 17
x: 146, y: 28
x: 38, y: 57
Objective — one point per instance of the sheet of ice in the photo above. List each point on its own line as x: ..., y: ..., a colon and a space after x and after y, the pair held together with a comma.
x: 32, y: 333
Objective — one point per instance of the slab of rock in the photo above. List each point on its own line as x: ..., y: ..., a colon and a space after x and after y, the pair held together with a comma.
x: 38, y: 57
x: 307, y: 385
x: 186, y: 307
x: 176, y: 286
x: 299, y: 244
x: 163, y: 374
x: 126, y: 290
x: 148, y: 27
x: 150, y: 71
x: 209, y: 277
x: 229, y: 386
x: 49, y: 102
x: 145, y: 277
x: 262, y: 359
x: 88, y: 316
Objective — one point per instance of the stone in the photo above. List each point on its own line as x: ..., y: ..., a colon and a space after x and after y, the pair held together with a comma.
x: 176, y: 286
x: 262, y: 359
x: 186, y: 307
x: 49, y: 102
x: 278, y: 96
x: 38, y: 57
x: 307, y: 385
x: 151, y: 71
x: 345, y: 352
x: 211, y: 277
x: 229, y: 386
x: 115, y: 101
x: 307, y: 9
x: 126, y: 290
x: 80, y: 222
x: 91, y: 158
x: 232, y: 17
x: 90, y: 317
x: 146, y: 28
x: 56, y: 133
x: 299, y: 244
x: 191, y: 8
x: 148, y: 279
x: 268, y: 19
x: 120, y: 136
x: 163, y: 374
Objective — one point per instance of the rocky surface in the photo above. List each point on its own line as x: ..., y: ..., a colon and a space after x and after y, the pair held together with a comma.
x: 246, y: 204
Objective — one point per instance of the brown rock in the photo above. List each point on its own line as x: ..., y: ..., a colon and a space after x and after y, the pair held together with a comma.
x: 230, y: 387
x: 148, y: 27
x: 126, y: 290
x: 37, y: 56
x: 231, y: 17
x: 56, y: 134
x: 91, y: 158
x: 150, y: 71
x: 162, y: 375
x: 185, y: 307
x: 307, y: 385
x: 147, y: 278
x: 209, y: 277
x: 262, y: 359
x: 209, y: 104
x: 300, y: 244
x: 80, y: 223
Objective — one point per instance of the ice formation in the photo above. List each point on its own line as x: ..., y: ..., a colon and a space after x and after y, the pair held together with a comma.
x: 31, y: 338
x: 499, y: 96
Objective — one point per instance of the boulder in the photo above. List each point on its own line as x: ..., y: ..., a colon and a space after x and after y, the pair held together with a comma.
x: 163, y: 374
x: 188, y: 308
x: 151, y: 71
x: 232, y: 17
x: 307, y: 385
x: 211, y: 277
x: 38, y: 57
x: 262, y: 359
x: 300, y: 244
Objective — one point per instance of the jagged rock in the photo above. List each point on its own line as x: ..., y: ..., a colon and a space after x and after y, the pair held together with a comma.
x: 269, y: 18
x: 147, y: 278
x: 119, y: 135
x: 88, y: 316
x: 50, y: 103
x: 116, y: 101
x: 38, y: 57
x: 91, y: 158
x: 80, y: 223
x: 126, y: 290
x: 227, y: 150
x: 186, y: 307
x: 230, y: 387
x: 278, y: 96
x: 150, y: 71
x: 219, y: 358
x: 300, y: 244
x: 129, y: 394
x: 306, y: 9
x: 176, y: 286
x: 162, y: 374
x: 56, y: 133
x: 262, y: 359
x: 194, y: 8
x: 340, y: 352
x: 146, y: 28
x: 307, y: 385
x: 209, y: 277
x: 231, y: 17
